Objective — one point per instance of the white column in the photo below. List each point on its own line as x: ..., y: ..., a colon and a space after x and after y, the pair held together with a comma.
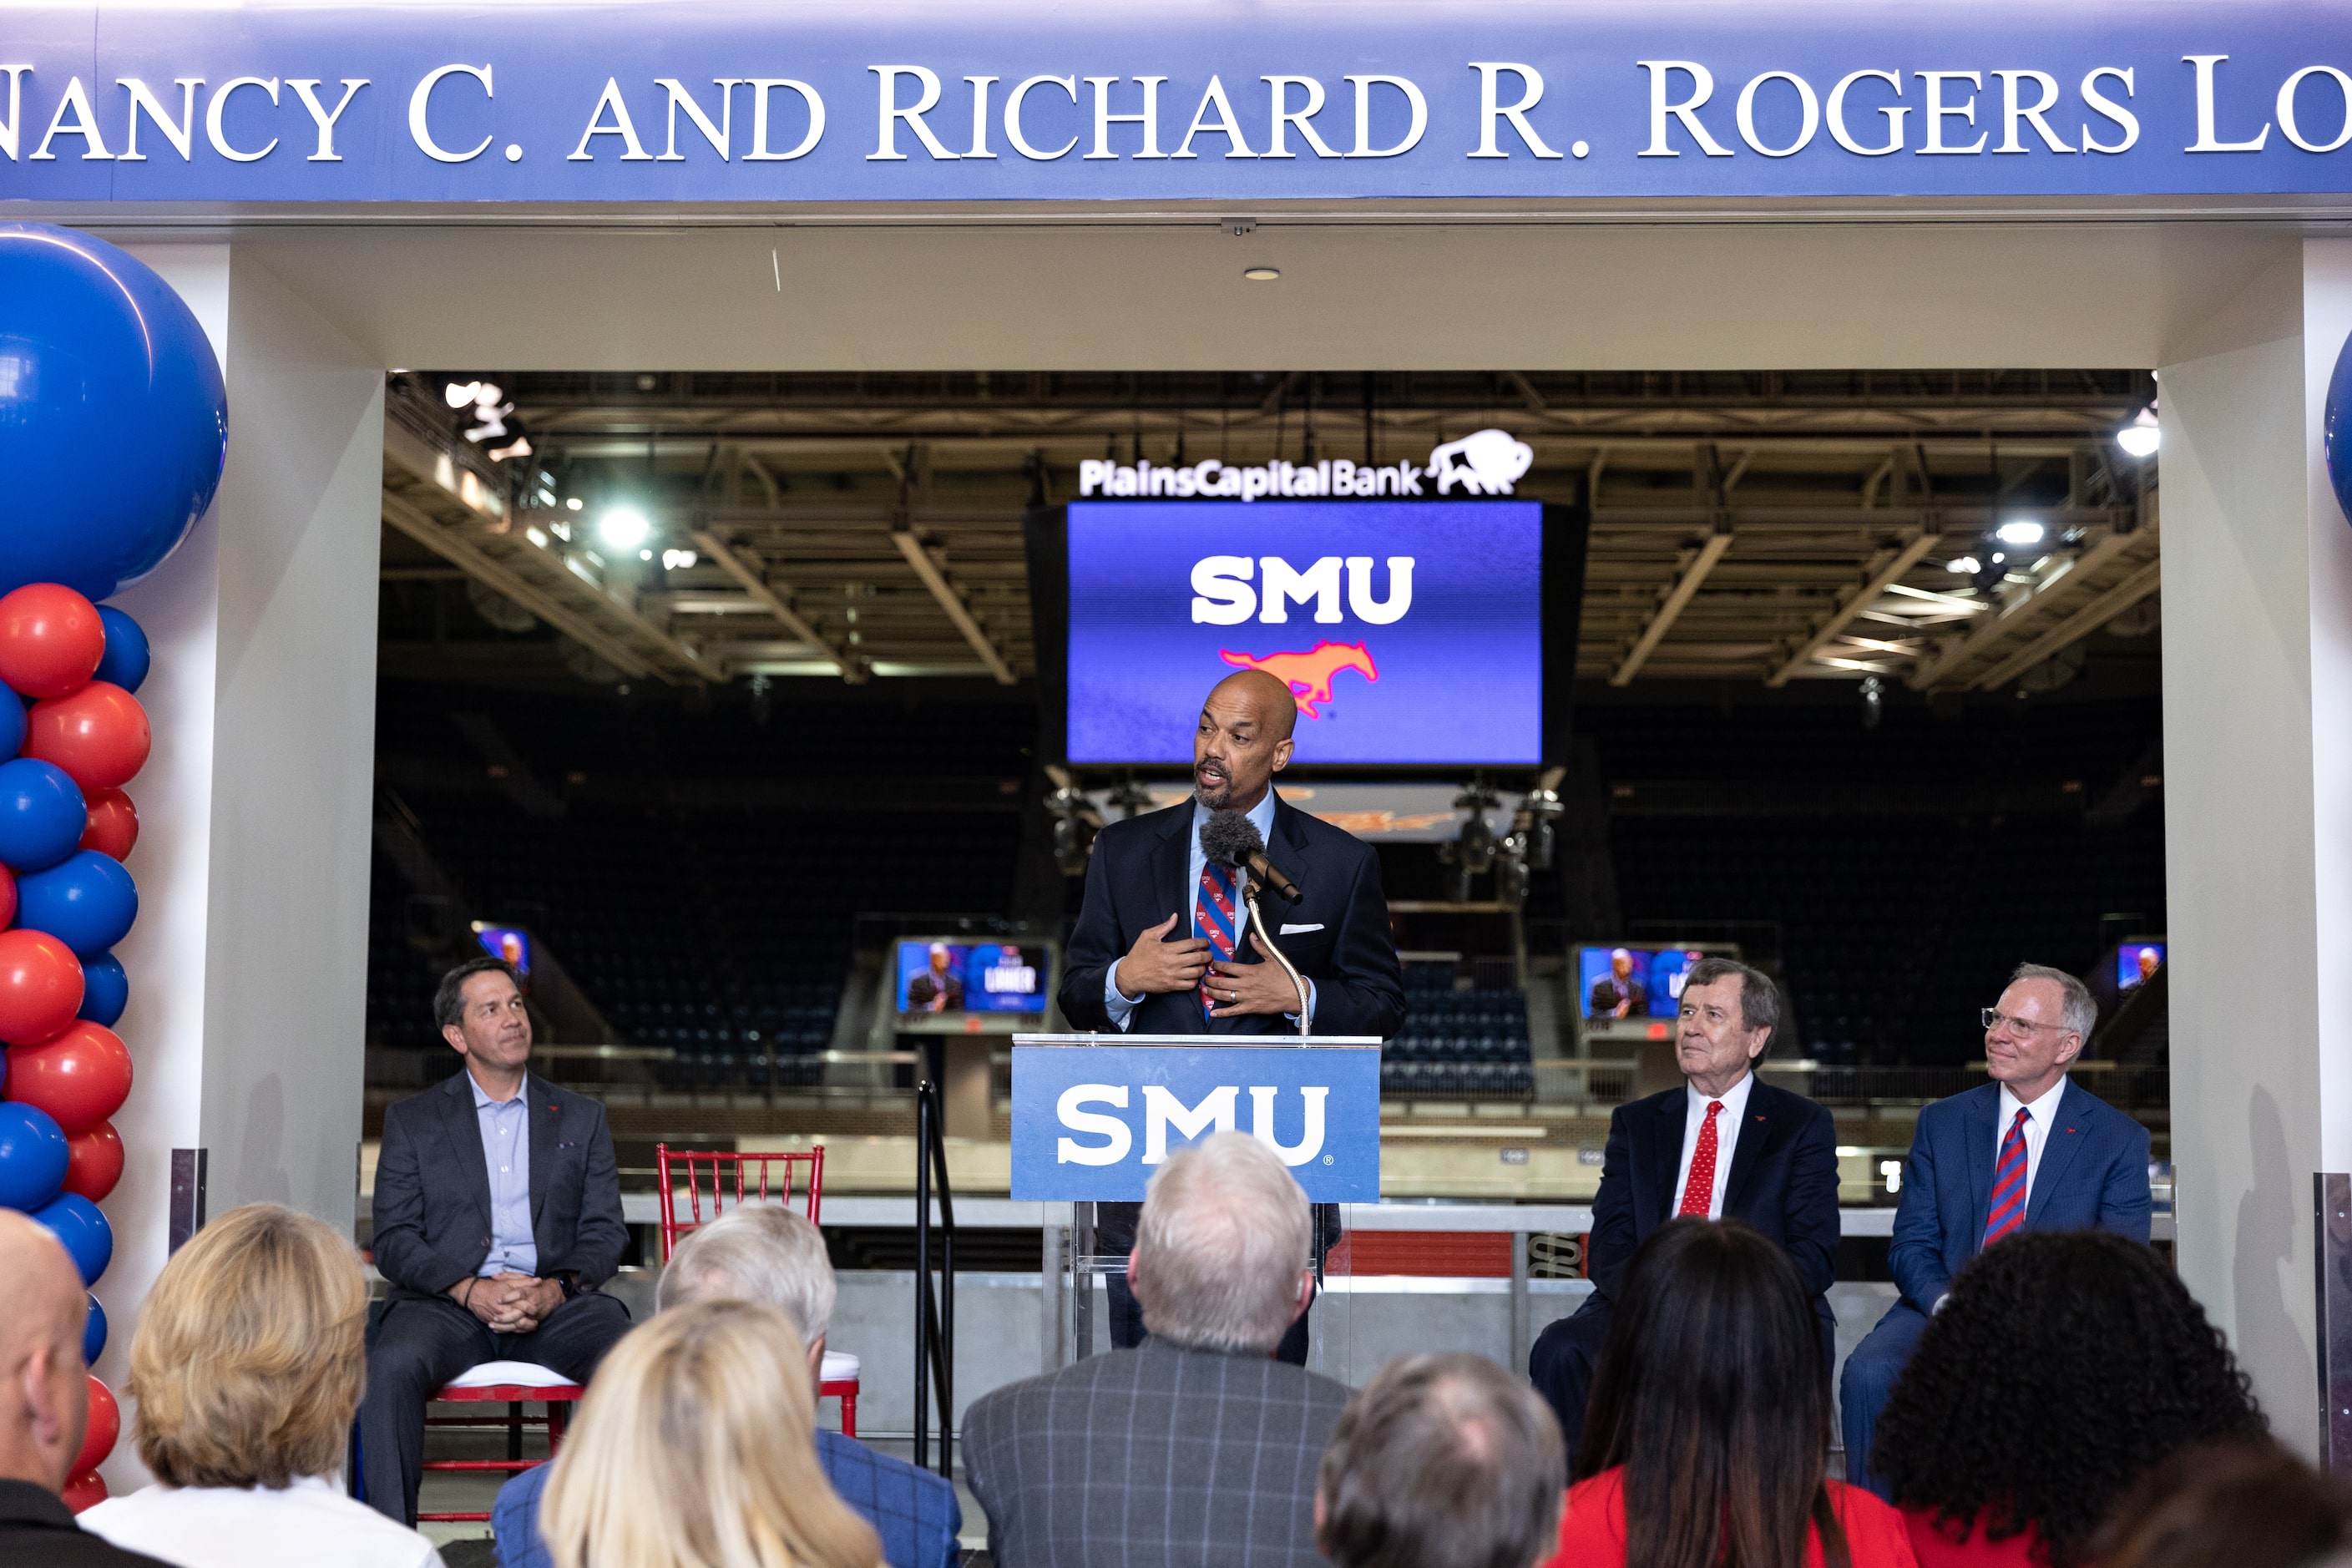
x: 248, y: 965
x: 2258, y: 787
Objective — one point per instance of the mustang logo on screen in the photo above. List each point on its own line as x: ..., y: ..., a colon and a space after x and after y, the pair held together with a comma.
x: 1411, y: 632
x: 1309, y: 674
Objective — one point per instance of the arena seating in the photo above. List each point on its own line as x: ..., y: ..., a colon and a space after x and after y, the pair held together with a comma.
x: 1468, y: 1044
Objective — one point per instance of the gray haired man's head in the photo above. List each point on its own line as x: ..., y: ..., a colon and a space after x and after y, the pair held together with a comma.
x: 1223, y: 1246
x: 755, y: 1252
x: 1440, y: 1460
x: 2078, y: 1010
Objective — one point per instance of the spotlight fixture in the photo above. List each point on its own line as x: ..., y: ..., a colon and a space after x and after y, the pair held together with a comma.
x: 624, y: 527
x: 2020, y: 532
x: 2140, y: 437
x: 1964, y: 566
x: 679, y: 560
x: 1874, y: 698
x: 644, y: 556
x: 573, y: 503
x: 1261, y: 274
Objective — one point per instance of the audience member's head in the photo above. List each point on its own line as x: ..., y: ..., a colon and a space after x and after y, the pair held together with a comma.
x: 1223, y: 1254
x: 46, y: 1402
x: 1712, y: 1395
x: 2242, y: 1504
x: 2060, y: 1368
x: 697, y: 1445
x: 1443, y: 1461
x: 250, y: 1357
x: 757, y: 1252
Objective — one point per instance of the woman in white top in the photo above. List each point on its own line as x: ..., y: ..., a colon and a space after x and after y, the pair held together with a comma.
x: 247, y: 1367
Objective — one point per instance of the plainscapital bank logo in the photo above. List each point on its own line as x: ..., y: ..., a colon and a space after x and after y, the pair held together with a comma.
x: 1484, y: 463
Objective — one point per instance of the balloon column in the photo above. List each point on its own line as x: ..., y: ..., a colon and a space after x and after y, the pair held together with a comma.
x: 113, y: 429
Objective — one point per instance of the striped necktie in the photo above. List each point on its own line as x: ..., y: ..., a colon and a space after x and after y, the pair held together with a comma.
x: 1213, y: 917
x: 2009, y: 1183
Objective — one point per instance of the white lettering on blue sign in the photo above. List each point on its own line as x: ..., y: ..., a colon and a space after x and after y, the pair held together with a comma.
x: 1165, y: 1114
x: 1223, y: 595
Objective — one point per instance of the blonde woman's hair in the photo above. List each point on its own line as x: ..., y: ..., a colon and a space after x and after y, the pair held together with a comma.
x: 695, y: 1447
x: 249, y: 1358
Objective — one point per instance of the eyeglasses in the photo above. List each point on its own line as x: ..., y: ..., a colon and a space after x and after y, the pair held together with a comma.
x: 1994, y: 1018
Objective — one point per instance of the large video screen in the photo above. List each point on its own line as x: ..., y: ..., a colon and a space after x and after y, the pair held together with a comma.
x: 943, y: 977
x: 1410, y: 632
x: 2137, y: 962
x: 1633, y: 981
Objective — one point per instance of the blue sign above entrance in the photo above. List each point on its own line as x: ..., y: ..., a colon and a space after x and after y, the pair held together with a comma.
x: 839, y: 103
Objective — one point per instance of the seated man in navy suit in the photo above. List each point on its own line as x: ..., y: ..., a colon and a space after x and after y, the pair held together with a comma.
x: 1722, y: 1145
x: 2030, y: 1151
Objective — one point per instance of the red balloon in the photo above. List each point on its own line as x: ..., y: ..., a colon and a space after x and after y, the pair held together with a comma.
x: 105, y: 1426
x: 99, y: 736
x: 40, y: 986
x: 86, y: 1490
x: 93, y: 1164
x: 50, y: 640
x: 7, y: 896
x: 113, y: 825
x: 81, y: 1077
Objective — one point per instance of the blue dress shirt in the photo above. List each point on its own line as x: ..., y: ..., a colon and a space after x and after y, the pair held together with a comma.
x: 914, y: 1511
x: 506, y: 1145
x: 1122, y: 1007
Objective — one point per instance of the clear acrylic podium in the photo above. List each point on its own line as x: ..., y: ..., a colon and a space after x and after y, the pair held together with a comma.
x: 1077, y: 1269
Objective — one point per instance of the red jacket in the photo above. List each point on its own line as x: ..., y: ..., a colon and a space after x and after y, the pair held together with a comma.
x: 1593, y: 1528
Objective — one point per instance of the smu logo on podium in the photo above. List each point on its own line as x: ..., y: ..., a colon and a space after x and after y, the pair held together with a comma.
x: 1090, y: 1123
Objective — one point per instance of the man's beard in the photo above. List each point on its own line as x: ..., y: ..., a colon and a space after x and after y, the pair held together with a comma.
x: 1216, y: 800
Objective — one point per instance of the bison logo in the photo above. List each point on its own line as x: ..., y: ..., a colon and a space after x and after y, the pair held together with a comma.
x: 1487, y: 462
x: 1309, y: 674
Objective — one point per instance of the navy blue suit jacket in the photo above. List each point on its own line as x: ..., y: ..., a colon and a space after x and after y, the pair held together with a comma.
x: 2093, y: 1173
x: 1783, y: 1181
x: 1138, y: 878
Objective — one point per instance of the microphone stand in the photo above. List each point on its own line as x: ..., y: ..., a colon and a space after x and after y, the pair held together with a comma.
x: 1249, y: 897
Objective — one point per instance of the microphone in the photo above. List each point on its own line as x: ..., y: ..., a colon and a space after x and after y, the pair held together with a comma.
x: 1231, y: 841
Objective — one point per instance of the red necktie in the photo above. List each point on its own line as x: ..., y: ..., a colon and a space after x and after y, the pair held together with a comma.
x: 1698, y: 1190
x: 2008, y: 1211
x: 1214, y: 917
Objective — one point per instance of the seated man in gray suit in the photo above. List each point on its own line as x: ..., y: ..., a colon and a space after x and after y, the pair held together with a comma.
x: 497, y: 1212
x: 1195, y: 1447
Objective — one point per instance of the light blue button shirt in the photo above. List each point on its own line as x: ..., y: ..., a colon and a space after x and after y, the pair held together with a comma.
x: 506, y: 1145
x: 1122, y: 1007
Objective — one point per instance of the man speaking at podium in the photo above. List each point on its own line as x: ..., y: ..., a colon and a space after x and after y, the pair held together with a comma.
x: 1162, y: 945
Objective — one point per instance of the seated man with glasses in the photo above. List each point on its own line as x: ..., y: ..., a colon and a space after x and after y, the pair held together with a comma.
x: 2030, y: 1151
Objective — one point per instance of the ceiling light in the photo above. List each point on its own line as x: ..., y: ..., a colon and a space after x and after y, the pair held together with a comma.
x: 2140, y: 437
x: 624, y: 527
x: 1966, y: 565
x: 1261, y: 274
x: 644, y: 556
x: 2021, y: 530
x: 572, y: 503
x: 679, y: 560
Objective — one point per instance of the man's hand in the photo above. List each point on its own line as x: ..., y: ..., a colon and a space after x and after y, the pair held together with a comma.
x: 528, y: 1303
x: 1237, y: 990
x: 1154, y: 965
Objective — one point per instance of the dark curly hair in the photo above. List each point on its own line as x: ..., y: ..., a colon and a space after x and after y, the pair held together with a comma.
x: 2063, y: 1367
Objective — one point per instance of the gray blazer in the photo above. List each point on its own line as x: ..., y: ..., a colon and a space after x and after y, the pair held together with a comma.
x: 433, y: 1189
x: 1153, y: 1457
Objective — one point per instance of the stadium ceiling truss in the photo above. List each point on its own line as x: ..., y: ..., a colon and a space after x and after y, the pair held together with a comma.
x: 1763, y: 527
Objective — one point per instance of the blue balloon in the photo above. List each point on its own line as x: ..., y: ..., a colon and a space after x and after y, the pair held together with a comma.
x: 2335, y: 429
x: 93, y: 1333
x: 87, y: 901
x: 32, y: 1156
x: 113, y: 438
x: 12, y: 721
x: 76, y: 1221
x: 42, y: 817
x: 124, y: 662
x: 105, y: 990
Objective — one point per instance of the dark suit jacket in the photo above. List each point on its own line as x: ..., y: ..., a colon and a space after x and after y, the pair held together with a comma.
x: 40, y: 1531
x: 1784, y: 1182
x: 2094, y: 1174
x: 433, y: 1189
x: 1138, y: 878
x: 1150, y: 1457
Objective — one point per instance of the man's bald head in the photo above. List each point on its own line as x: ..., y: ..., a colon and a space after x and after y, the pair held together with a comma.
x: 44, y: 1401
x: 1243, y: 740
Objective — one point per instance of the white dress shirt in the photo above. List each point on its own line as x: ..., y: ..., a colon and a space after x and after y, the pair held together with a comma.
x: 2038, y: 1114
x: 1116, y: 1003
x: 312, y: 1523
x: 1727, y: 1138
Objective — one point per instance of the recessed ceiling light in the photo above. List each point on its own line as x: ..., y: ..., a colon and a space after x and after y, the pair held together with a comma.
x: 1261, y: 274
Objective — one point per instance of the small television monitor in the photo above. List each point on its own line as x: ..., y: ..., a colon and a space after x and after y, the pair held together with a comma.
x: 507, y: 943
x: 945, y: 975
x: 1620, y: 981
x: 2136, y: 962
